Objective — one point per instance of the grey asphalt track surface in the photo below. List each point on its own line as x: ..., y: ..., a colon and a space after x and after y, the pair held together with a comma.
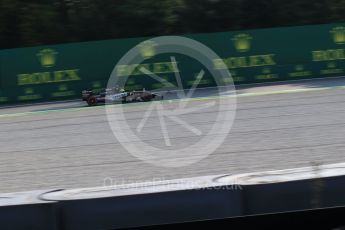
x: 69, y: 145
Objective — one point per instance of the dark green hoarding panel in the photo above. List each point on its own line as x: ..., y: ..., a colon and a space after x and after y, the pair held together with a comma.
x: 61, y: 71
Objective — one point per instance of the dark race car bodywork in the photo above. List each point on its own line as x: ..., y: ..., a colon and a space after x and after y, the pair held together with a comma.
x: 115, y: 96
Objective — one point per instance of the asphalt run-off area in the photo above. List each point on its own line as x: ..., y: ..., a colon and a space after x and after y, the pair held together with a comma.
x: 69, y: 145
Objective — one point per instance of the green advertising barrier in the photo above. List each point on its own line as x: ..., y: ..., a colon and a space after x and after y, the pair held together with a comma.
x: 60, y: 72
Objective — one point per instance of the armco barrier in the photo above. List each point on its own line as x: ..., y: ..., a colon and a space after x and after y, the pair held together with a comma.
x: 291, y: 190
x: 182, y: 200
x: 145, y: 204
x: 24, y: 210
x: 296, y: 195
x: 59, y: 72
x: 176, y: 201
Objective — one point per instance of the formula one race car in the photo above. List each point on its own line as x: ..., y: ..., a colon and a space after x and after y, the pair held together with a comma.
x: 117, y: 96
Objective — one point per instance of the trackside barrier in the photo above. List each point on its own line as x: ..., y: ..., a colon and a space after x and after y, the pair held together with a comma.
x: 176, y: 201
x: 201, y: 198
x: 24, y: 210
x: 291, y: 190
x: 145, y: 204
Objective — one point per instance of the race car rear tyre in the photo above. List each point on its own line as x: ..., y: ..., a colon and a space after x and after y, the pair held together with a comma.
x: 92, y: 101
x: 157, y: 98
x: 146, y: 99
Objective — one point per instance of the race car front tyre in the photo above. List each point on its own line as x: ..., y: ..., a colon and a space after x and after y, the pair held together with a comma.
x: 139, y: 99
x: 92, y: 101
